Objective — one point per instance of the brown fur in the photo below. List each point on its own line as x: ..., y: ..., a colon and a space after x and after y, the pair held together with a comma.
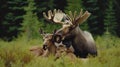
x: 63, y: 51
x: 36, y: 50
x: 51, y: 48
x: 56, y: 51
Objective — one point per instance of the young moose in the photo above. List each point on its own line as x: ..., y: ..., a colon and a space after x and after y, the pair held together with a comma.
x: 82, y: 41
x: 48, y: 46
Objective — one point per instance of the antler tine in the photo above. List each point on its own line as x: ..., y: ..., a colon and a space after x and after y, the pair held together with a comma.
x: 68, y: 19
x: 81, y: 12
x: 75, y: 15
x: 84, y: 17
x: 54, y: 11
x: 71, y: 15
x: 44, y: 14
x: 59, y: 11
x: 49, y: 14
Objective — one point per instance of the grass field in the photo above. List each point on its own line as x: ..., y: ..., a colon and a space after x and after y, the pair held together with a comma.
x: 16, y: 54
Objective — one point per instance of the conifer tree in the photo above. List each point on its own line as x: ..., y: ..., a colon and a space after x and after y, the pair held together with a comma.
x: 30, y: 23
x: 74, y: 5
x: 11, y: 12
x: 110, y: 20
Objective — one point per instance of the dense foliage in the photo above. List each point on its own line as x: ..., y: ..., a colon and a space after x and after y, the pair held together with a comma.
x: 16, y: 54
x: 18, y: 16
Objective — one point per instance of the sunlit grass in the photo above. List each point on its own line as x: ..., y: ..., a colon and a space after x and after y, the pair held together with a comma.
x: 16, y: 54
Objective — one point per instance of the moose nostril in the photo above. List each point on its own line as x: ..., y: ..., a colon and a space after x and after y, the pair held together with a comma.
x: 44, y: 47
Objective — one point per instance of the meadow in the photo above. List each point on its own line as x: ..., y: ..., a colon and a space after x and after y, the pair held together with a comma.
x: 16, y: 54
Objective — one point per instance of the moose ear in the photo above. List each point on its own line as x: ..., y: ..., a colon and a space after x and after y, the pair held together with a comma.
x: 41, y: 32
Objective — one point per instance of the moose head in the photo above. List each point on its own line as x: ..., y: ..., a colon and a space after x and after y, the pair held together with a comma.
x: 49, y: 42
x: 82, y: 41
x: 69, y: 21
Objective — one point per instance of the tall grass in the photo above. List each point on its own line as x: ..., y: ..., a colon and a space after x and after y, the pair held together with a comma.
x: 16, y: 54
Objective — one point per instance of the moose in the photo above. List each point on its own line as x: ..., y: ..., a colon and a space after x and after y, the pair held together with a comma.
x: 48, y: 46
x: 82, y: 41
x: 51, y: 47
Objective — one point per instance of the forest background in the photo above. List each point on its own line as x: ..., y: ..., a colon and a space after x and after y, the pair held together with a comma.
x: 25, y: 16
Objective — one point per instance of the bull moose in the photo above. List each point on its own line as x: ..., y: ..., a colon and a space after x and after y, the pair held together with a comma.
x: 82, y: 41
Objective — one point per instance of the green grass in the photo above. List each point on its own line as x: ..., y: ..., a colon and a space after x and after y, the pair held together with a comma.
x: 16, y: 54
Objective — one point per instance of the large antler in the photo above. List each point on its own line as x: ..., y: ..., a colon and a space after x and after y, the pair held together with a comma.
x: 78, y: 18
x: 56, y: 16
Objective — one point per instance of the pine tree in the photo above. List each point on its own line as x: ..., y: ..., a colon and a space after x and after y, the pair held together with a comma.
x: 74, y: 5
x: 11, y: 17
x: 110, y: 20
x: 30, y: 23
